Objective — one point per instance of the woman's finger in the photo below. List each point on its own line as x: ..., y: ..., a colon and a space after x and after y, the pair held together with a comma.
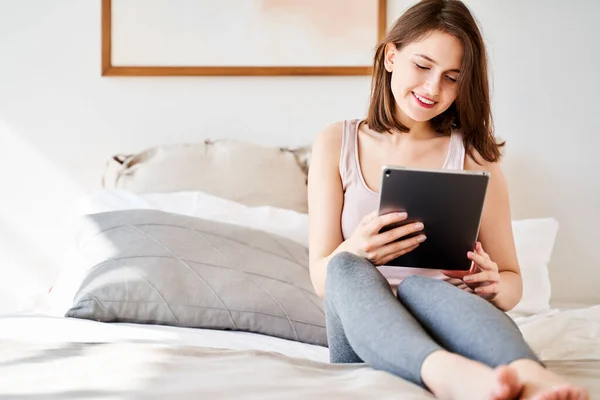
x: 369, y: 217
x: 455, y: 282
x: 483, y: 276
x: 398, y: 239
x: 492, y: 288
x: 376, y: 224
x: 481, y: 261
x: 479, y: 249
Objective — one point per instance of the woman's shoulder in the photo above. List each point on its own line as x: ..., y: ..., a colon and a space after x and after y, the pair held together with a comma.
x: 333, y: 129
x: 330, y: 138
x: 328, y: 145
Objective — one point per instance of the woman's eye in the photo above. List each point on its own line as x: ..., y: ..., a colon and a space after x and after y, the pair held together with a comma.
x: 452, y: 79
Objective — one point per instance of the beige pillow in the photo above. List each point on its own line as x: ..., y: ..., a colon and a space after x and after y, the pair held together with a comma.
x: 247, y: 173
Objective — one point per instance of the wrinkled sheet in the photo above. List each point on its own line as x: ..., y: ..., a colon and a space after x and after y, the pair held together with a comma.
x: 59, y: 358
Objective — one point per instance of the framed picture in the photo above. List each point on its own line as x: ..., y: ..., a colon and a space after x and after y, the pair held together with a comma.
x: 240, y: 37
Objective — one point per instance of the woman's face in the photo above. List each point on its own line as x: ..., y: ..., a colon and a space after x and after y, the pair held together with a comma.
x: 424, y: 75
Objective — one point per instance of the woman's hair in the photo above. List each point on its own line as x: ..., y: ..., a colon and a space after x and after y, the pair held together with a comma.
x: 470, y: 112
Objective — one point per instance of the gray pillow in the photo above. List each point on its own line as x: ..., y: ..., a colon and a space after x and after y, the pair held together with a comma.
x: 154, y: 267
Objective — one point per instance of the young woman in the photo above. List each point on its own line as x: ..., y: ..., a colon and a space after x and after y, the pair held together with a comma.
x: 446, y: 331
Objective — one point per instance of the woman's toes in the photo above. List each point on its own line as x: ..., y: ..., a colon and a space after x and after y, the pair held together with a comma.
x: 508, y: 383
x: 568, y: 392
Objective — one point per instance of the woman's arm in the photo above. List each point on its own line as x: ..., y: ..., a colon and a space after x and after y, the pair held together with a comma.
x: 325, y: 202
x: 496, y: 234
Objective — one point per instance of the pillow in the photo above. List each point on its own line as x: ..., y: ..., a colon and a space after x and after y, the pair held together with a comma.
x: 534, y: 242
x: 287, y: 223
x: 302, y: 155
x: 246, y: 173
x: 154, y: 267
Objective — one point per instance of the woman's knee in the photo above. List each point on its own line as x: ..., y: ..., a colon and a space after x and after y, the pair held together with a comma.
x: 418, y: 281
x: 342, y: 264
x: 415, y: 284
x: 342, y: 267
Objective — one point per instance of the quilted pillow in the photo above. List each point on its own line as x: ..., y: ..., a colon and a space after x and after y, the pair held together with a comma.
x: 155, y: 267
x: 246, y: 173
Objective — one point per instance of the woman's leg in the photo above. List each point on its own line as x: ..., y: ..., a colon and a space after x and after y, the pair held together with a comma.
x: 340, y: 351
x: 366, y: 322
x: 464, y: 323
x: 469, y: 325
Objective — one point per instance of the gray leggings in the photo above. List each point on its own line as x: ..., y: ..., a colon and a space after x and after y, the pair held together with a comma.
x: 366, y: 323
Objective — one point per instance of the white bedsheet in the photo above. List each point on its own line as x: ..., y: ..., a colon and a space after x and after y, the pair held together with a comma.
x: 567, y: 333
x: 50, y: 329
x: 72, y: 358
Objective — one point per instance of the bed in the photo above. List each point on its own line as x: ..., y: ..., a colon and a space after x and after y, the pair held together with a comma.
x: 47, y: 355
x: 53, y: 357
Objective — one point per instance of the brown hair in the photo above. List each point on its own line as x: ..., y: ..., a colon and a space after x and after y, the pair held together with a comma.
x: 470, y: 112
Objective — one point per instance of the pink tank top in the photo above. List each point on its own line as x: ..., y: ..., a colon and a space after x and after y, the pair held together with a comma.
x: 360, y: 200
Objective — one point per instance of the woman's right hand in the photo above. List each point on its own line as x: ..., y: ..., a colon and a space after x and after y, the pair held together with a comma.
x: 381, y: 248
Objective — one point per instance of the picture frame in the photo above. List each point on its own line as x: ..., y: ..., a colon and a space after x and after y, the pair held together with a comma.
x: 271, y: 67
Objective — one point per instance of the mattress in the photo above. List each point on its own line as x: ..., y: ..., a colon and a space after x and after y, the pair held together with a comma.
x: 53, y: 357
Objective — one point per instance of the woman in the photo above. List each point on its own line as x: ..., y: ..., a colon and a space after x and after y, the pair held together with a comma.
x: 444, y: 330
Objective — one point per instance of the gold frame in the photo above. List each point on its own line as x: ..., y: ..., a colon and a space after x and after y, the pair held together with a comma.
x: 109, y: 70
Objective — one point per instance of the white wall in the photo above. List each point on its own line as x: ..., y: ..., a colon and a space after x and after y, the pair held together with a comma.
x: 60, y: 120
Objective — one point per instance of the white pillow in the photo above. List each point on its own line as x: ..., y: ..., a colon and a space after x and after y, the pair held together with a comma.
x: 534, y: 241
x: 287, y: 223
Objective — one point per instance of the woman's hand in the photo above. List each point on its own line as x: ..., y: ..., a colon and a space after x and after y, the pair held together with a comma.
x: 381, y: 248
x: 483, y: 278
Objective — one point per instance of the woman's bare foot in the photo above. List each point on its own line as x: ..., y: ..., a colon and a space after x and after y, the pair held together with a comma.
x: 450, y: 376
x: 542, y: 384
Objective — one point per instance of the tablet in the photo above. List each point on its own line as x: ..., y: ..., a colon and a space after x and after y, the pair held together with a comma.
x: 449, y: 203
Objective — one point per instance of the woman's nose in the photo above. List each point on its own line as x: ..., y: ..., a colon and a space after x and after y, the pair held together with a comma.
x: 432, y: 85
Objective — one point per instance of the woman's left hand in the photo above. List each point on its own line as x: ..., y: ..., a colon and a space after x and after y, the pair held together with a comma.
x: 483, y: 278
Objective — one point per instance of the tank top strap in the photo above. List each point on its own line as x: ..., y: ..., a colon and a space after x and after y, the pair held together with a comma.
x: 456, y: 152
x: 348, y: 151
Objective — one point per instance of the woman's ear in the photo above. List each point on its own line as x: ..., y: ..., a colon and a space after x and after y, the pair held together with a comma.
x: 390, y: 56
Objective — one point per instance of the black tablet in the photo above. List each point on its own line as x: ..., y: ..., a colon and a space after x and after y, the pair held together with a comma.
x: 449, y: 203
